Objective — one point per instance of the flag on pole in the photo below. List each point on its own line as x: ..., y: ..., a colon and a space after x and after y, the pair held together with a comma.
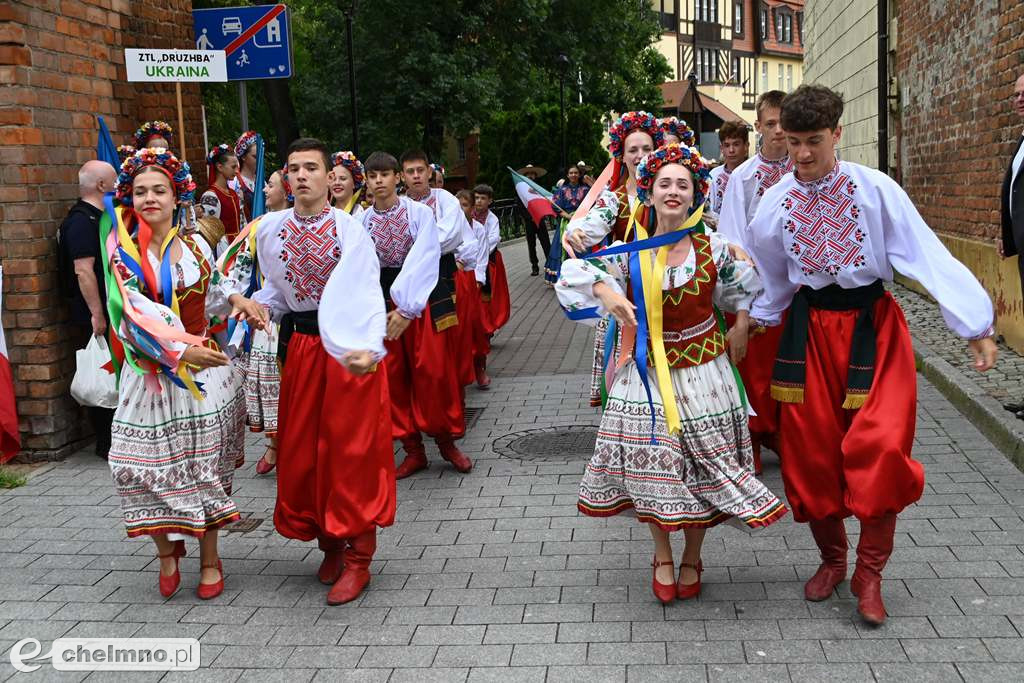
x: 10, y: 439
x: 535, y: 198
x: 106, y: 150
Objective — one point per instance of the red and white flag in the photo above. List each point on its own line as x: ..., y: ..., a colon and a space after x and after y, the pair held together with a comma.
x: 10, y: 439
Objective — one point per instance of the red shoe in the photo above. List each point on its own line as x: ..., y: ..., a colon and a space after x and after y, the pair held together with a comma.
x: 830, y: 535
x: 665, y: 592
x: 451, y: 453
x: 873, y: 552
x: 169, y: 584
x: 334, y: 560
x: 264, y: 467
x: 208, y: 591
x: 685, y: 591
x: 480, y: 368
x: 356, y: 574
x: 415, y: 457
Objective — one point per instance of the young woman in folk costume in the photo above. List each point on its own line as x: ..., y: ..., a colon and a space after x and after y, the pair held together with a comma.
x: 635, y: 135
x: 348, y: 181
x: 220, y: 201
x: 177, y: 435
x: 155, y: 134
x: 475, y: 342
x: 247, y: 149
x: 673, y: 443
x: 259, y: 362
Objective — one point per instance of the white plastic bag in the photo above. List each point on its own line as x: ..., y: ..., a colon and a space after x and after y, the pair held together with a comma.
x: 92, y: 385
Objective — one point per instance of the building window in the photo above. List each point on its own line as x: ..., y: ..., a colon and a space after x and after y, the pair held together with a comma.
x: 789, y: 78
x: 764, y: 76
x: 781, y: 84
x: 764, y: 24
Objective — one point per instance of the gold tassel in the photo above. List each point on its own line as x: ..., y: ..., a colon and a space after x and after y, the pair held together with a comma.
x: 787, y: 394
x: 855, y: 401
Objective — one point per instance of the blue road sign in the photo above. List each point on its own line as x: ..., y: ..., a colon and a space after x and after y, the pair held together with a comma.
x: 256, y: 40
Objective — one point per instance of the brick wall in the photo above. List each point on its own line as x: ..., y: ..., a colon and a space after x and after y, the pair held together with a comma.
x: 61, y: 62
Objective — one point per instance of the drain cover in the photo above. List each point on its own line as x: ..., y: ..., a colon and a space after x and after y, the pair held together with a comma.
x: 244, y: 525
x: 552, y: 443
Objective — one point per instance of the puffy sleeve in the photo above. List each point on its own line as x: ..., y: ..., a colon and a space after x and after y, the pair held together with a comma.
x: 352, y: 315
x: 600, y: 220
x: 419, y: 273
x: 738, y: 282
x: 769, y: 253
x: 732, y: 214
x: 575, y: 286
x: 915, y: 251
x: 209, y: 203
x: 467, y: 252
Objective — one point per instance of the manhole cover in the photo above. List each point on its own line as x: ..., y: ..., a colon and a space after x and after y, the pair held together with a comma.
x: 552, y: 443
x: 244, y: 525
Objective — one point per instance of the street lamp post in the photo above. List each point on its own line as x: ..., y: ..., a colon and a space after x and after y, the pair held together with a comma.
x: 563, y: 67
x: 349, y: 10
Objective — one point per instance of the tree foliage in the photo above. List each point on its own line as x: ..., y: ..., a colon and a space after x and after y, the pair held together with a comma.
x: 423, y: 68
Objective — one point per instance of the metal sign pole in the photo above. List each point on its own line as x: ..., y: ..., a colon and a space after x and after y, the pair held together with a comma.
x: 243, y: 101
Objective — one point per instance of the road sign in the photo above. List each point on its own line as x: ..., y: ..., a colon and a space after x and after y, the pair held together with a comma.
x: 256, y: 40
x: 181, y: 66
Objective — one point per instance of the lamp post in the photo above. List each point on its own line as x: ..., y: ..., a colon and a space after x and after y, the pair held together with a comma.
x: 563, y: 67
x: 349, y: 10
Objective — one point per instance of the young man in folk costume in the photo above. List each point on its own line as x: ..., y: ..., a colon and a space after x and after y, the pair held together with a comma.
x: 247, y: 184
x: 458, y: 245
x: 635, y: 135
x: 733, y: 138
x: 336, y: 476
x: 348, y: 183
x: 824, y: 239
x: 496, y: 302
x: 743, y: 193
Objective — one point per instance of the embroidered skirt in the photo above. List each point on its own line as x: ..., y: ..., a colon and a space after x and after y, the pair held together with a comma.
x: 697, y: 479
x: 262, y: 382
x: 173, y: 457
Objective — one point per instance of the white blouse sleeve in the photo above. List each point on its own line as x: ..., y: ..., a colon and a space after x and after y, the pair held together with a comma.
x: 600, y: 220
x: 769, y: 253
x: 575, y: 286
x: 738, y: 282
x: 914, y: 250
x: 352, y: 315
x: 419, y: 273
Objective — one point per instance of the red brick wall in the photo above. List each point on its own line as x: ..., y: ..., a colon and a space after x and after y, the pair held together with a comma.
x: 61, y: 62
x: 956, y: 63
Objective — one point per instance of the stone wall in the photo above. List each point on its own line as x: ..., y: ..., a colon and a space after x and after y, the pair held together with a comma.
x: 61, y: 63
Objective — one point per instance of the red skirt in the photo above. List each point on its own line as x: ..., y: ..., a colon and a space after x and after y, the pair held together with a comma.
x: 756, y: 372
x: 426, y: 395
x: 852, y: 462
x: 336, y: 468
x: 497, y: 305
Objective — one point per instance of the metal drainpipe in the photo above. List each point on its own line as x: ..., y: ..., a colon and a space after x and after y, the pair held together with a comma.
x: 883, y: 86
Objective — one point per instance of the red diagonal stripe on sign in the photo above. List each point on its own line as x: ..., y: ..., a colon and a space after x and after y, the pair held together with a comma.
x: 253, y: 30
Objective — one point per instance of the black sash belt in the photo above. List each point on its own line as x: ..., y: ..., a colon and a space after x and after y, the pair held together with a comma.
x: 303, y: 322
x: 790, y: 372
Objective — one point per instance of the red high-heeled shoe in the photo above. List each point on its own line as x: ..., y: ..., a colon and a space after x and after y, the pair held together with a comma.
x: 685, y: 591
x: 207, y: 591
x: 169, y: 584
x: 666, y: 592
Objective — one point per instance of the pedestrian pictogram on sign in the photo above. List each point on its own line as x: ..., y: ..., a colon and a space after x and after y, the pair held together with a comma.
x: 256, y: 40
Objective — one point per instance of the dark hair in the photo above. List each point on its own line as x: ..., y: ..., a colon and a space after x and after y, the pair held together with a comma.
x: 810, y: 108
x: 484, y: 189
x: 468, y: 194
x: 414, y: 155
x: 311, y: 144
x: 381, y: 161
x: 732, y: 130
x: 772, y: 98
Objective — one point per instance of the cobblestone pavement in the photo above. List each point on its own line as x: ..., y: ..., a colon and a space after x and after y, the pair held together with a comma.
x: 1002, y: 383
x: 493, y: 576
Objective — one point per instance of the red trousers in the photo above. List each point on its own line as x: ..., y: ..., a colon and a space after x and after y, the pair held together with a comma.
x: 497, y: 306
x: 840, y: 462
x: 426, y: 395
x: 336, y: 468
